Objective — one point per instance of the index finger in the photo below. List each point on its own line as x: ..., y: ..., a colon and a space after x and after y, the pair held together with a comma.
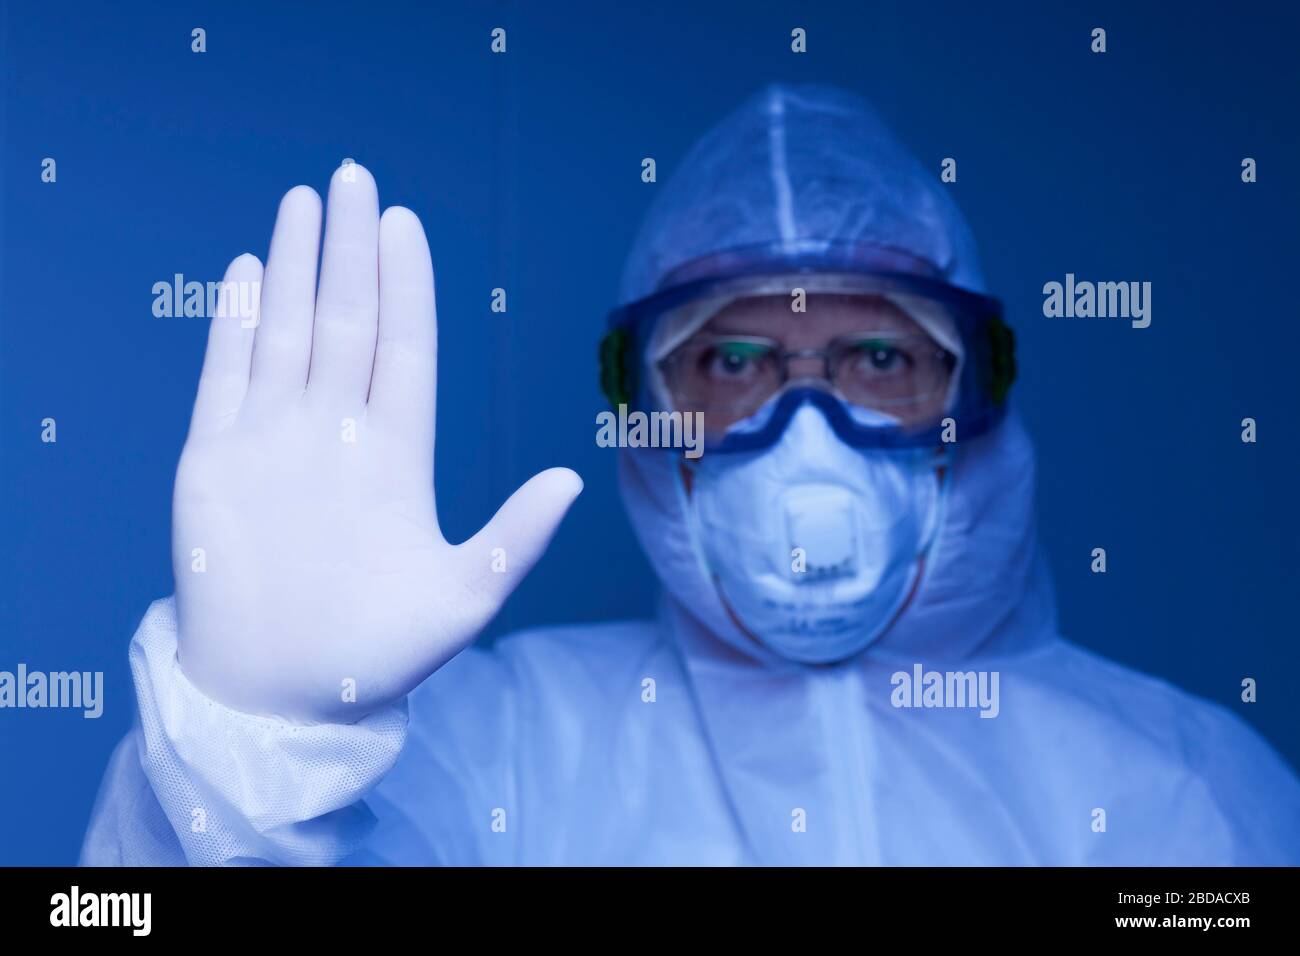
x: 404, y: 383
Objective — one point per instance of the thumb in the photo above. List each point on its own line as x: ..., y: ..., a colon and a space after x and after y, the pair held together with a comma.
x: 512, y: 542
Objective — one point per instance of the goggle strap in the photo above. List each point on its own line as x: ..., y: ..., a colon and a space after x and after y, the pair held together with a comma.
x: 616, y: 374
x: 1002, y: 358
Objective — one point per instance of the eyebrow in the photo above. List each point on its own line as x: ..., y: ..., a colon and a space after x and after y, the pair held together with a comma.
x: 883, y: 320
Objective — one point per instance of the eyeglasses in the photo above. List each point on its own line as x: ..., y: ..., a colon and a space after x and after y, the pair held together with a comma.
x: 904, y: 374
x: 880, y: 389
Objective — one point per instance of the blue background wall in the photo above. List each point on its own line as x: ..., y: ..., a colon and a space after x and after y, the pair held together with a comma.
x: 525, y: 170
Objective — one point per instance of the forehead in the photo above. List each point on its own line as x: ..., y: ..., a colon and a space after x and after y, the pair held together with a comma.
x: 827, y: 316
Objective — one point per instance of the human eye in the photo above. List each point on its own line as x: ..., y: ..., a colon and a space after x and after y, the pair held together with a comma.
x: 730, y: 360
x: 881, y: 356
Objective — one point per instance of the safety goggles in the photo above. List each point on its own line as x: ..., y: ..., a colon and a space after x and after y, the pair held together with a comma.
x: 908, y: 353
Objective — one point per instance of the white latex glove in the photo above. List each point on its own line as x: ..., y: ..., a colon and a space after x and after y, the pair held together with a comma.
x: 322, y: 565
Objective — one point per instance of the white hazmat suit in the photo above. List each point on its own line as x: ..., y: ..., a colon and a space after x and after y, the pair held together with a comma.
x: 681, y: 740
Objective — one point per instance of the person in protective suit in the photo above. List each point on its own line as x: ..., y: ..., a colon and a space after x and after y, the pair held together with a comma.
x: 856, y: 659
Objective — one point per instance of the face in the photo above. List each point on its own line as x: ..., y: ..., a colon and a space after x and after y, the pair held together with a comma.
x: 864, y: 347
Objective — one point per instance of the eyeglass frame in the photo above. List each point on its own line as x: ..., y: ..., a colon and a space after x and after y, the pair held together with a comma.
x: 784, y: 356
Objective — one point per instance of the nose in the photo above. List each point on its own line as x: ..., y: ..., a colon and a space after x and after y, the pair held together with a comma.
x: 805, y: 364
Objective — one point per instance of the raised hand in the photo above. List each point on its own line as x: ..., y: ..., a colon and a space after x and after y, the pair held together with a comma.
x: 312, y: 579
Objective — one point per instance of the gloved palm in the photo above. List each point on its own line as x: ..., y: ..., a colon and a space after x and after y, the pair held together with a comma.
x: 312, y: 579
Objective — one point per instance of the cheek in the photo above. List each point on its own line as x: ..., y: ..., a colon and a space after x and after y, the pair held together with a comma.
x: 717, y: 422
